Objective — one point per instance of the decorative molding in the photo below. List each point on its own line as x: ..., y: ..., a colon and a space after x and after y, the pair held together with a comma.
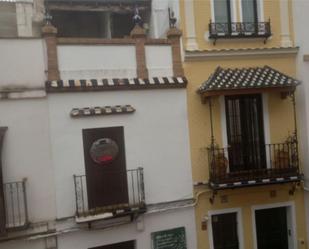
x: 105, y: 41
x: 115, y: 84
x: 171, y: 205
x: 199, y: 55
x: 256, y: 182
x: 99, y: 111
x: 22, y: 94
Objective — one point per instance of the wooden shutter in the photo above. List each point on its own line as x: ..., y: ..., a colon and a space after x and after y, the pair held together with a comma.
x: 224, y: 229
x: 245, y: 132
x: 122, y: 245
x: 271, y: 228
x: 106, y: 184
x: 2, y: 206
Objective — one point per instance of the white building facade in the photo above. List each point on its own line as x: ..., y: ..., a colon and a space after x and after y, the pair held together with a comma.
x: 95, y: 145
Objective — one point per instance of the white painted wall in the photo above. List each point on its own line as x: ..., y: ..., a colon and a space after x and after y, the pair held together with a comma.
x: 95, y: 61
x: 26, y: 153
x: 22, y: 63
x: 24, y: 244
x: 159, y: 22
x: 156, y: 138
x: 300, y: 16
x: 159, y: 60
x: 152, y: 223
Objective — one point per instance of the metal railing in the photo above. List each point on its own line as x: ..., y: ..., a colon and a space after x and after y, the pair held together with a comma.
x: 135, y: 191
x: 15, y: 200
x: 239, y: 30
x: 247, y: 162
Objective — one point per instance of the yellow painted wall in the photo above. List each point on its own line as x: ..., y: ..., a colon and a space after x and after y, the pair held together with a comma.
x: 281, y: 124
x: 246, y: 198
x: 280, y: 112
x: 202, y: 11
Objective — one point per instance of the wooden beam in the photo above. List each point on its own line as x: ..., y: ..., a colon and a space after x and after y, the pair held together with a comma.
x: 248, y: 91
x: 94, y: 7
x: 106, y: 41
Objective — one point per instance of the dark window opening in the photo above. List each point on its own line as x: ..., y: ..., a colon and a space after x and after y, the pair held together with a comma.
x: 95, y: 24
x: 123, y: 245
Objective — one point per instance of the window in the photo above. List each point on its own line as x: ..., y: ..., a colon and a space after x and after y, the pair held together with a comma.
x: 105, y: 166
x: 249, y: 11
x: 8, y: 20
x: 224, y: 23
x: 92, y: 24
x: 222, y: 11
x: 245, y: 132
x: 96, y: 19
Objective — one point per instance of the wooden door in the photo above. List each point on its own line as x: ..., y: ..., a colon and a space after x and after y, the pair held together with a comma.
x: 224, y: 230
x: 107, y: 181
x: 271, y: 228
x: 2, y: 205
x: 122, y: 245
x: 245, y: 132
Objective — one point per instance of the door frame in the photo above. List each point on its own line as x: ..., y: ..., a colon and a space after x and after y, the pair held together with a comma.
x: 291, y: 221
x: 240, y: 231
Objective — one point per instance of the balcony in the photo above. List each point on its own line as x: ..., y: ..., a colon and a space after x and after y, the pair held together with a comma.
x: 114, y: 205
x: 15, y: 200
x: 246, y: 165
x: 239, y: 30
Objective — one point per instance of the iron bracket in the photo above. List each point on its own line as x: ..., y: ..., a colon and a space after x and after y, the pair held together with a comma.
x: 293, y: 188
x: 213, y: 196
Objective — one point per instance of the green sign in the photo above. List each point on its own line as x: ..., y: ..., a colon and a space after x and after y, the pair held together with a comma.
x: 169, y: 239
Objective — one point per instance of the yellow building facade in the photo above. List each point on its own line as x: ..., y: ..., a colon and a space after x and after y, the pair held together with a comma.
x: 239, y: 58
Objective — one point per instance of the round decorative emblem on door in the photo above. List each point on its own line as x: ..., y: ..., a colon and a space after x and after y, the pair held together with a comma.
x: 104, y: 151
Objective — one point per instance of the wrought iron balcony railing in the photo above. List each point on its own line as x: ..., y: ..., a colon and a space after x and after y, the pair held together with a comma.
x: 239, y: 30
x: 243, y: 165
x: 134, y: 200
x: 15, y: 200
